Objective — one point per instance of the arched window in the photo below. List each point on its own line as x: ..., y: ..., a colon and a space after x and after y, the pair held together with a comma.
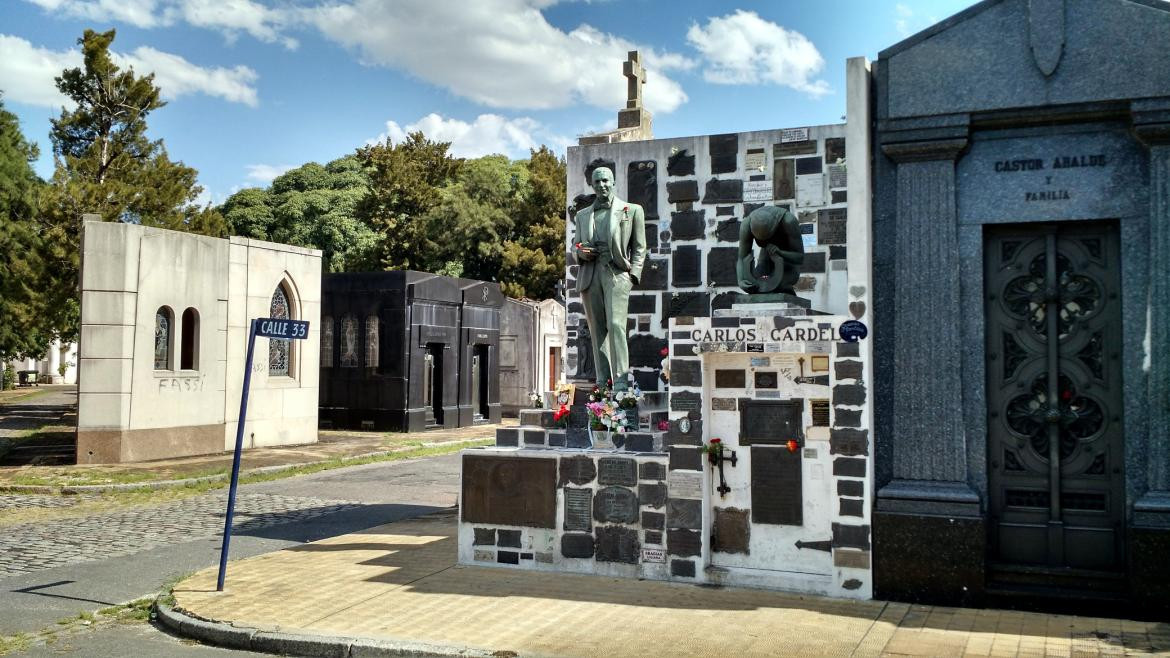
x: 164, y: 322
x: 349, y: 341
x: 327, y: 342
x: 372, y: 341
x: 280, y: 352
x: 189, y: 346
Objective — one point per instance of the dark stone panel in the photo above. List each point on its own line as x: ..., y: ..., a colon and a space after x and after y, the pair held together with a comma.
x: 848, y: 349
x: 639, y: 442
x: 577, y: 470
x: 507, y: 437
x: 578, y: 509
x: 642, y: 186
x: 935, y: 560
x: 556, y: 438
x: 507, y: 557
x: 653, y: 537
x: 526, y: 556
x: 721, y: 266
x: 686, y: 401
x: 578, y: 417
x: 837, y: 252
x: 684, y: 513
x: 576, y: 307
x: 646, y: 350
x: 724, y: 150
x: 848, y: 442
x: 727, y: 190
x: 509, y: 491
x: 851, y: 536
x: 731, y: 531
x: 724, y: 210
x: 852, y: 583
x: 684, y: 304
x: 654, y: 520
x: 850, y: 488
x: 597, y: 162
x: 808, y: 166
x: 838, y: 196
x: 834, y: 149
x: 725, y: 323
x: 686, y: 372
x: 574, y: 545
x: 847, y: 369
x: 617, y: 470
x: 686, y: 457
x: 533, y: 437
x: 684, y: 543
x: 651, y: 236
x: 851, y: 507
x: 688, y: 225
x: 764, y: 379
x: 652, y: 495
x: 776, y: 486
x: 682, y: 568
x: 484, y: 537
x: 736, y: 378
x: 647, y: 380
x: 615, y: 505
x: 727, y: 230
x: 682, y: 191
x: 676, y: 437
x: 803, y: 147
x: 814, y: 262
x: 681, y: 163
x: 749, y: 208
x: 654, y: 274
x: 852, y: 467
x: 848, y: 418
x: 852, y: 395
x: 1150, y: 571
x: 651, y: 471
x: 723, y: 300
x: 508, y: 538
x: 643, y: 304
x: 617, y: 544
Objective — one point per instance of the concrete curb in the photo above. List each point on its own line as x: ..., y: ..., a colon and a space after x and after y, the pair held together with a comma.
x: 166, y: 484
x: 223, y: 634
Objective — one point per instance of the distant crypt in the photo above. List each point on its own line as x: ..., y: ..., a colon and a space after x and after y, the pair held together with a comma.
x: 609, y: 243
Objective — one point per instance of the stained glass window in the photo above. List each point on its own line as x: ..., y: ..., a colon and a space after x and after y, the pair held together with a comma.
x: 162, y: 339
x: 279, y: 351
x: 326, y: 342
x: 349, y: 341
x: 372, y: 341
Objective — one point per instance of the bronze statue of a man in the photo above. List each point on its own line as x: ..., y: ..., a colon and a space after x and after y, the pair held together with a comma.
x: 777, y: 266
x: 609, y: 244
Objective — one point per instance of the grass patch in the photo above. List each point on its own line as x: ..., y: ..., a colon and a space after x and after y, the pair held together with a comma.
x: 134, y: 612
x: 22, y: 395
x: 13, y: 643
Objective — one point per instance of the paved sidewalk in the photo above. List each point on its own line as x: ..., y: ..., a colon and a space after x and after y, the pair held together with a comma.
x: 400, y: 582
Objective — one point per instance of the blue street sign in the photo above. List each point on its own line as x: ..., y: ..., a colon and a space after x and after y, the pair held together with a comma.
x: 270, y: 328
x: 277, y: 328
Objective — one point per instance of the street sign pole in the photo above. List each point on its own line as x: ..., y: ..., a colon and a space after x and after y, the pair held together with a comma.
x: 231, y: 506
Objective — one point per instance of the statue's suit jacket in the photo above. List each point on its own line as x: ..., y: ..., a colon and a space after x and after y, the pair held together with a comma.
x: 627, y: 240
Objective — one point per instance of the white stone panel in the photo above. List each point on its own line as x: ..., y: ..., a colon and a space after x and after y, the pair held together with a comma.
x: 107, y: 341
x: 110, y: 255
x: 103, y: 307
x: 105, y: 375
x: 103, y: 411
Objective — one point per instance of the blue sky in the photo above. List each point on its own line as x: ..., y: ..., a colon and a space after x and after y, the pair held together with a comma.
x: 257, y: 87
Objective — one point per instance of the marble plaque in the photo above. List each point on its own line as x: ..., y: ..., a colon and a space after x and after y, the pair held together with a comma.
x: 810, y: 190
x: 755, y: 160
x: 653, y: 554
x: 793, y: 135
x: 513, y: 491
x: 578, y: 509
x: 615, y: 505
x: 838, y: 176
x: 777, y: 491
x: 617, y: 470
x: 760, y: 190
x: 684, y: 485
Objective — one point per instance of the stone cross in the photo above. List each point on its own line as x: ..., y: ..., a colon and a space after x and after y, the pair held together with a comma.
x: 636, y: 75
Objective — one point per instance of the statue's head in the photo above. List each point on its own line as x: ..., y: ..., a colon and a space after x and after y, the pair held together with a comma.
x: 763, y: 223
x: 603, y: 182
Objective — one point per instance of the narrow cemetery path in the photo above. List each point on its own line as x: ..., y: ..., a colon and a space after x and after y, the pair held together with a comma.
x: 40, y: 429
x: 62, y: 567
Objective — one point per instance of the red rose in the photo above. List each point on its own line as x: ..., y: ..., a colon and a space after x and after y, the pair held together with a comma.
x: 716, y: 441
x: 792, y: 445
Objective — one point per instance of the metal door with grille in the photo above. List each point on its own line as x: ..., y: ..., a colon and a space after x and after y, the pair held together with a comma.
x: 1054, y: 396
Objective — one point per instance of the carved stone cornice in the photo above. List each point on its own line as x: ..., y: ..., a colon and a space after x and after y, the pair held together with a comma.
x: 938, y: 149
x: 1151, y: 120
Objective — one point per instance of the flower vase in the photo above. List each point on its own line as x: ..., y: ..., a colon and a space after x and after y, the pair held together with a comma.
x: 602, y: 439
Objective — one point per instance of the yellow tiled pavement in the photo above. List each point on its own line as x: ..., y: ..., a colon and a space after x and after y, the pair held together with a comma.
x: 400, y: 581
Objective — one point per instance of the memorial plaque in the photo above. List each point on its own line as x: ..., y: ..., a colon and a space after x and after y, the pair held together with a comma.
x: 653, y: 554
x: 578, y: 437
x: 834, y: 150
x: 686, y: 457
x: 838, y: 176
x: 507, y: 557
x: 509, y: 539
x: 723, y: 404
x: 578, y: 509
x: 615, y: 505
x: 770, y: 422
x: 654, y: 275
x: 755, y: 160
x: 851, y: 536
x: 721, y: 265
x: 793, y: 135
x: 577, y: 546
x: 728, y: 190
x: 643, y: 304
x: 802, y: 147
x: 682, y: 568
x: 645, y: 350
x: 512, y: 491
x: 653, y: 520
x: 617, y: 470
x: 729, y: 378
x: 686, y: 401
x: 652, y: 495
x: 837, y: 252
x: 810, y: 190
x: 814, y: 262
x: 761, y: 361
x: 684, y: 485
x: 760, y: 190
x: 684, y: 543
x: 728, y: 230
x: 783, y: 181
x: 731, y: 532
x: 777, y: 491
x: 617, y: 544
x: 845, y: 488
x: 832, y: 225
x: 578, y: 470
x: 724, y: 150
x: 852, y: 395
x: 848, y: 442
x: 484, y: 537
x: 685, y: 304
x: 681, y: 163
x: 686, y: 372
x: 688, y: 225
x: 651, y: 471
x: 682, y: 191
x: 806, y: 166
x: 642, y: 186
x: 765, y: 380
x: 599, y: 162
x: 724, y: 211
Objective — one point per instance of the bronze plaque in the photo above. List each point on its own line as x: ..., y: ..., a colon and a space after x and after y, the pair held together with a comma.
x: 615, y: 505
x: 731, y: 532
x: 770, y: 422
x: 509, y: 491
x: 578, y: 509
x: 803, y: 147
x: 783, y: 179
x: 831, y: 226
x: 777, y: 491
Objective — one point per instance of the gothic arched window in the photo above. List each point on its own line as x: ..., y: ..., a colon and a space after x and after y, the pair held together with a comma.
x: 327, y: 342
x: 372, y: 341
x: 164, y: 323
x: 280, y: 352
x: 349, y: 341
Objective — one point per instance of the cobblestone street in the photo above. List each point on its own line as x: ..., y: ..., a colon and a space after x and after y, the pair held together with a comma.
x: 34, y: 546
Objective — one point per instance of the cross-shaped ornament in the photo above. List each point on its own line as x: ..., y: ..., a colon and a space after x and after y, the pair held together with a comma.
x: 636, y: 77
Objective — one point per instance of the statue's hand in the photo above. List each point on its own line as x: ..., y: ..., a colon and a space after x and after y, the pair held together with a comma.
x: 585, y: 253
x: 773, y: 251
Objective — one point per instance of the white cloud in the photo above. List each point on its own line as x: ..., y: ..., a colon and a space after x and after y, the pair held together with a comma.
x: 742, y: 48
x: 487, y: 134
x: 902, y: 22
x: 231, y: 17
x: 500, y: 53
x: 265, y: 173
x: 27, y: 72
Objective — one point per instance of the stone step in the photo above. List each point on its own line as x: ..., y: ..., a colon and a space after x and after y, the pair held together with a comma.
x: 530, y: 436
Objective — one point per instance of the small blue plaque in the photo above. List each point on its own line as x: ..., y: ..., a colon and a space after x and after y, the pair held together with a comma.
x: 852, y: 331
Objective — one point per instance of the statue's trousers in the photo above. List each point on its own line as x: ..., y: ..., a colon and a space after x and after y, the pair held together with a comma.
x: 606, y: 302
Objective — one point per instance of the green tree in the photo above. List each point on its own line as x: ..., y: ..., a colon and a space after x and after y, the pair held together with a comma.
x: 533, y: 255
x: 23, y: 331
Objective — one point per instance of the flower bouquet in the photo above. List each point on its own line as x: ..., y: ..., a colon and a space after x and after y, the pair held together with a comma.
x: 561, y: 416
x: 714, y: 450
x: 537, y: 399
